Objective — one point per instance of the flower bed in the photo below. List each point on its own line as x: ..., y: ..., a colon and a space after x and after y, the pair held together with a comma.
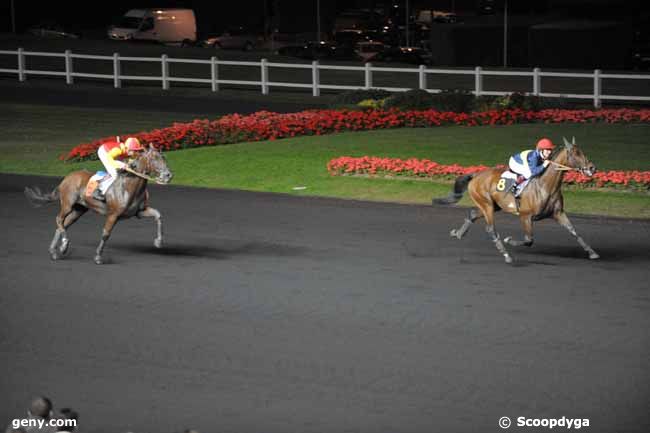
x: 424, y: 168
x: 266, y: 125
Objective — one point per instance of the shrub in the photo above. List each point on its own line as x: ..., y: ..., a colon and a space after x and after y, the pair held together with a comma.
x: 521, y: 101
x: 374, y: 104
x: 353, y: 97
x: 414, y: 99
x: 454, y: 100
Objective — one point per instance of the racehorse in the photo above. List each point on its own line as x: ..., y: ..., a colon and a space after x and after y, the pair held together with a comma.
x: 126, y: 198
x: 542, y: 198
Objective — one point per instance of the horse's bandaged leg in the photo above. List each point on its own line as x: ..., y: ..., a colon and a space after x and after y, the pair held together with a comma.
x: 498, y: 243
x: 153, y: 213
x: 565, y: 222
x: 471, y: 217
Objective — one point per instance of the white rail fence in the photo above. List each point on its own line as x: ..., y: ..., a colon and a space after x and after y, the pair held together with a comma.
x: 265, y: 84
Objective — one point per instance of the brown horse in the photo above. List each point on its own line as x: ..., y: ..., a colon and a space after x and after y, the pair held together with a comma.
x: 127, y: 197
x: 542, y: 198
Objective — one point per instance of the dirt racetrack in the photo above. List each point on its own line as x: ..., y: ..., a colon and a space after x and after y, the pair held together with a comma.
x: 273, y: 313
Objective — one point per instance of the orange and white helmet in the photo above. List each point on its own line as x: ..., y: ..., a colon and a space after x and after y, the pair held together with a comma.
x: 545, y: 143
x: 133, y: 144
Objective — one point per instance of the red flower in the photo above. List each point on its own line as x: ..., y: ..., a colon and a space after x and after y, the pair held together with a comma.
x: 265, y: 125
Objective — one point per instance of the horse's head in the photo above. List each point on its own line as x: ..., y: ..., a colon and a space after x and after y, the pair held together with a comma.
x: 152, y: 163
x: 576, y: 158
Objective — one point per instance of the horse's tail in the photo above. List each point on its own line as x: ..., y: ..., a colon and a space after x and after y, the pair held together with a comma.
x: 460, y: 186
x: 38, y: 198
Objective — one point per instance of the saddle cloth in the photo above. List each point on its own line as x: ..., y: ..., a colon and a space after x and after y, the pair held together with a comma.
x: 101, y: 176
x: 508, y: 178
x: 94, y: 182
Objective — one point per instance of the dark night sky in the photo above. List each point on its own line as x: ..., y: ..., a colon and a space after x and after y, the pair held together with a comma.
x: 214, y: 15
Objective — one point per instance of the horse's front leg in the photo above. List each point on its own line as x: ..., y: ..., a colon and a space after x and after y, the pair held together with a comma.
x: 562, y: 218
x: 106, y: 232
x: 150, y: 212
x: 527, y: 226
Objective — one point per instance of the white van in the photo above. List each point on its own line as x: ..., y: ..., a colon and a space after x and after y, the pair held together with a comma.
x: 168, y: 26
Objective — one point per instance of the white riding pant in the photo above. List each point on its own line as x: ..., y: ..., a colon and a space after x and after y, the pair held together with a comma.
x: 107, y: 161
x: 519, y: 168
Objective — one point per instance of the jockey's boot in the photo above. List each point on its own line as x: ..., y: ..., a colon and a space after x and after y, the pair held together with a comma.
x: 513, y: 189
x: 98, y: 195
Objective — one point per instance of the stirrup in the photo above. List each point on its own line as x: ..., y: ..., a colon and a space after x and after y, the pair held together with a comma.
x: 97, y: 195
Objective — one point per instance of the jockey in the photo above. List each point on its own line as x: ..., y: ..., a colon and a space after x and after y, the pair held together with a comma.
x: 531, y: 163
x: 111, y: 155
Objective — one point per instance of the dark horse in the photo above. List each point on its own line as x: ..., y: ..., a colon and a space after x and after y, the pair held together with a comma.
x: 127, y: 197
x: 542, y: 198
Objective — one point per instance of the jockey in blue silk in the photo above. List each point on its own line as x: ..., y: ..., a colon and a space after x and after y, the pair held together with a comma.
x: 531, y: 163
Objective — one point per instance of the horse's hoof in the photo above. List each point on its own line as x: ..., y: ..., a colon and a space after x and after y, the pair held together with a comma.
x: 508, y: 259
x: 594, y: 255
x: 98, y: 260
x: 157, y: 243
x: 507, y: 240
x: 454, y: 234
x: 54, y: 256
x: 64, y: 248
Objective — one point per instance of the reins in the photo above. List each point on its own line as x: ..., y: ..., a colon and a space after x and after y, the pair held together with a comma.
x: 562, y: 167
x: 143, y: 176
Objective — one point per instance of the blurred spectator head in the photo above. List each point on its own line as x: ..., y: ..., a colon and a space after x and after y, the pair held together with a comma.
x: 41, y: 406
x: 66, y: 413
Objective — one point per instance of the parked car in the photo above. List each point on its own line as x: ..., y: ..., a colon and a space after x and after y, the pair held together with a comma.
x: 52, y: 30
x: 239, y: 38
x: 354, y: 36
x: 369, y: 49
x: 165, y: 25
x: 320, y: 51
x: 410, y: 55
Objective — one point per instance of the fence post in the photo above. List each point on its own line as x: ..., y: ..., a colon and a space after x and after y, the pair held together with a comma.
x: 597, y: 88
x: 117, y: 83
x: 265, y: 77
x: 537, y: 82
x: 21, y: 64
x: 68, y: 67
x: 214, y: 68
x: 368, y: 75
x: 478, y: 81
x: 423, y: 77
x: 315, y: 78
x: 165, y: 72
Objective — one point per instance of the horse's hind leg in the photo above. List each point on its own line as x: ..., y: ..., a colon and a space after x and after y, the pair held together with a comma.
x: 488, y: 211
x: 55, y: 241
x: 564, y: 221
x: 527, y: 225
x: 472, y: 216
x: 106, y: 233
x: 153, y: 213
x: 60, y: 233
x: 70, y: 219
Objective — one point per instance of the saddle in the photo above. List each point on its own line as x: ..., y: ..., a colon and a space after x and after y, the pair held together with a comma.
x: 511, y: 182
x: 94, y: 182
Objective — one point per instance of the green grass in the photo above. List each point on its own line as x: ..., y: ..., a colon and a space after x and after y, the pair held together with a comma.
x: 35, y: 136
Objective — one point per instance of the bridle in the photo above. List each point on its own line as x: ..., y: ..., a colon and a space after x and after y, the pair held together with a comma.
x: 562, y: 167
x: 142, y: 175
